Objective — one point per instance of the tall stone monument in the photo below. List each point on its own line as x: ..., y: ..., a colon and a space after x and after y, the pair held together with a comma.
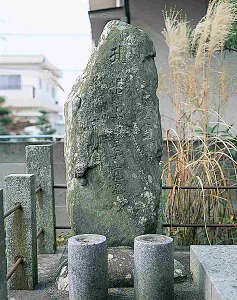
x: 113, y: 142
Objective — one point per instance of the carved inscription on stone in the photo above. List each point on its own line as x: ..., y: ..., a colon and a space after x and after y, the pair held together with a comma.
x: 117, y: 54
x: 119, y: 85
x: 113, y: 139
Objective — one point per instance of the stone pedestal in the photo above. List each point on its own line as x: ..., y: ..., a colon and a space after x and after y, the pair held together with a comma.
x: 87, y: 267
x: 214, y: 271
x: 153, y: 267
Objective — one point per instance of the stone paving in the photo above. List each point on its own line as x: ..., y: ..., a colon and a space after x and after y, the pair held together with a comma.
x: 48, y: 270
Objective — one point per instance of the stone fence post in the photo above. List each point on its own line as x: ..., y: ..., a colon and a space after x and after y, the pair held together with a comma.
x: 39, y: 161
x: 21, y: 233
x: 3, y: 282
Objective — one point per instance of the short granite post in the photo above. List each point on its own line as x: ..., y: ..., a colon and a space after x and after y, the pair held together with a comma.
x: 87, y: 267
x: 21, y: 230
x: 153, y: 267
x: 39, y: 161
x: 3, y: 269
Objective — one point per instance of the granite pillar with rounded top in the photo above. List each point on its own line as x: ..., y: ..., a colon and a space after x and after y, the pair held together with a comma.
x: 87, y: 267
x: 153, y: 267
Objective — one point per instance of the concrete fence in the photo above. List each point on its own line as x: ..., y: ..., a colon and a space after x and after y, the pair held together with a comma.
x: 27, y: 203
x: 13, y: 161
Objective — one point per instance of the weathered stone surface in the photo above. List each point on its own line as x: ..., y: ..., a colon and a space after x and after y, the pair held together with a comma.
x: 153, y: 267
x: 39, y: 161
x: 120, y: 269
x: 87, y: 267
x: 214, y: 270
x: 3, y: 269
x: 113, y: 140
x: 21, y: 230
x: 121, y: 294
x: 179, y: 271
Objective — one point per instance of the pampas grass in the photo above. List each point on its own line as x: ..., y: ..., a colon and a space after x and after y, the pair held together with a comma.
x: 200, y: 153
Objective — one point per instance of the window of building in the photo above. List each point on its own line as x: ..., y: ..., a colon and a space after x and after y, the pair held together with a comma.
x: 105, y: 4
x: 53, y: 92
x: 40, y: 83
x: 33, y: 92
x: 10, y: 82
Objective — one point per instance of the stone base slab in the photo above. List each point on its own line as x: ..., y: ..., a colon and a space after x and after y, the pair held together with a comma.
x: 214, y: 271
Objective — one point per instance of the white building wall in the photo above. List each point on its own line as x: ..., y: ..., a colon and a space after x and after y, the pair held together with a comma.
x: 30, y: 79
x: 104, y: 4
x: 27, y: 101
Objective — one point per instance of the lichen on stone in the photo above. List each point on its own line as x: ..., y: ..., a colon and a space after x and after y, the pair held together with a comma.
x: 113, y: 141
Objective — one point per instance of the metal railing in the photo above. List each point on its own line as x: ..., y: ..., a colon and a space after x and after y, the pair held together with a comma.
x: 41, y: 231
x: 32, y: 195
x: 24, y: 137
x: 165, y: 187
x: 20, y: 259
x: 39, y: 182
x: 14, y: 268
x: 12, y: 210
x: 211, y: 187
x: 227, y: 187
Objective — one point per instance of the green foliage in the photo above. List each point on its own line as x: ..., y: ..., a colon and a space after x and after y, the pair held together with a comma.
x: 62, y: 238
x: 2, y: 99
x: 231, y: 42
x: 5, y: 117
x: 214, y: 130
x: 4, y: 111
x: 43, y: 124
x: 3, y: 131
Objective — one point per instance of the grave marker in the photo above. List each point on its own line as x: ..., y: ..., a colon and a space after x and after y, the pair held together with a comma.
x: 113, y: 142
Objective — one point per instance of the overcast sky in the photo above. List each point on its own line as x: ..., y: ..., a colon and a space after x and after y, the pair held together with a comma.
x: 57, y: 29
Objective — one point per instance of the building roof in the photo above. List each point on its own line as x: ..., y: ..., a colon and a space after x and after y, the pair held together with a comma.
x: 36, y: 60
